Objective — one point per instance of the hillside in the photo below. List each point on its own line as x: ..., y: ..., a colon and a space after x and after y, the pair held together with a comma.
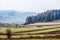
x: 12, y: 16
x: 48, y: 16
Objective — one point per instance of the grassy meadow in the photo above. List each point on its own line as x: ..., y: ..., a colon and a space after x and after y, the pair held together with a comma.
x: 31, y: 32
x: 43, y: 31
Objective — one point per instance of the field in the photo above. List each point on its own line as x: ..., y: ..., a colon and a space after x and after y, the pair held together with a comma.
x: 45, y: 32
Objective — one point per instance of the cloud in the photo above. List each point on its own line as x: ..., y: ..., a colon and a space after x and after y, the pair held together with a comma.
x: 29, y: 5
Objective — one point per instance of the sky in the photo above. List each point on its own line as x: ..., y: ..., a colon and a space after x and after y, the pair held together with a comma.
x: 25, y: 6
x: 29, y: 5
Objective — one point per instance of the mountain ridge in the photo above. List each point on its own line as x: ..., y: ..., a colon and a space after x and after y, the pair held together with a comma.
x: 12, y: 16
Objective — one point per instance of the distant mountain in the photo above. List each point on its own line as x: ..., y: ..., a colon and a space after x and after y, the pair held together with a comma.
x: 4, y: 25
x: 11, y: 16
x: 47, y: 16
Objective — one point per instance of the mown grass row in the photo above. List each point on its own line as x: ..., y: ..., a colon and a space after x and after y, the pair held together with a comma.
x: 37, y: 31
x: 28, y: 32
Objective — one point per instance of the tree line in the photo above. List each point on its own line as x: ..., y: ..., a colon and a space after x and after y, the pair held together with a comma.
x: 49, y: 15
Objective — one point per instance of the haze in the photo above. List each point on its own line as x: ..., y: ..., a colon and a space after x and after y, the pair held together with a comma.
x: 29, y: 5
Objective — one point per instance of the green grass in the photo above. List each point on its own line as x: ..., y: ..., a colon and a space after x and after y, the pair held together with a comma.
x: 30, y: 31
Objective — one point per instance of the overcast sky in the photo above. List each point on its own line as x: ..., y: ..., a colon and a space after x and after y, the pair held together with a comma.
x: 29, y: 5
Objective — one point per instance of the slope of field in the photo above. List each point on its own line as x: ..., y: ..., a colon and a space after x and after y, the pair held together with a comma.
x: 45, y: 31
x: 47, y: 23
x: 40, y: 30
